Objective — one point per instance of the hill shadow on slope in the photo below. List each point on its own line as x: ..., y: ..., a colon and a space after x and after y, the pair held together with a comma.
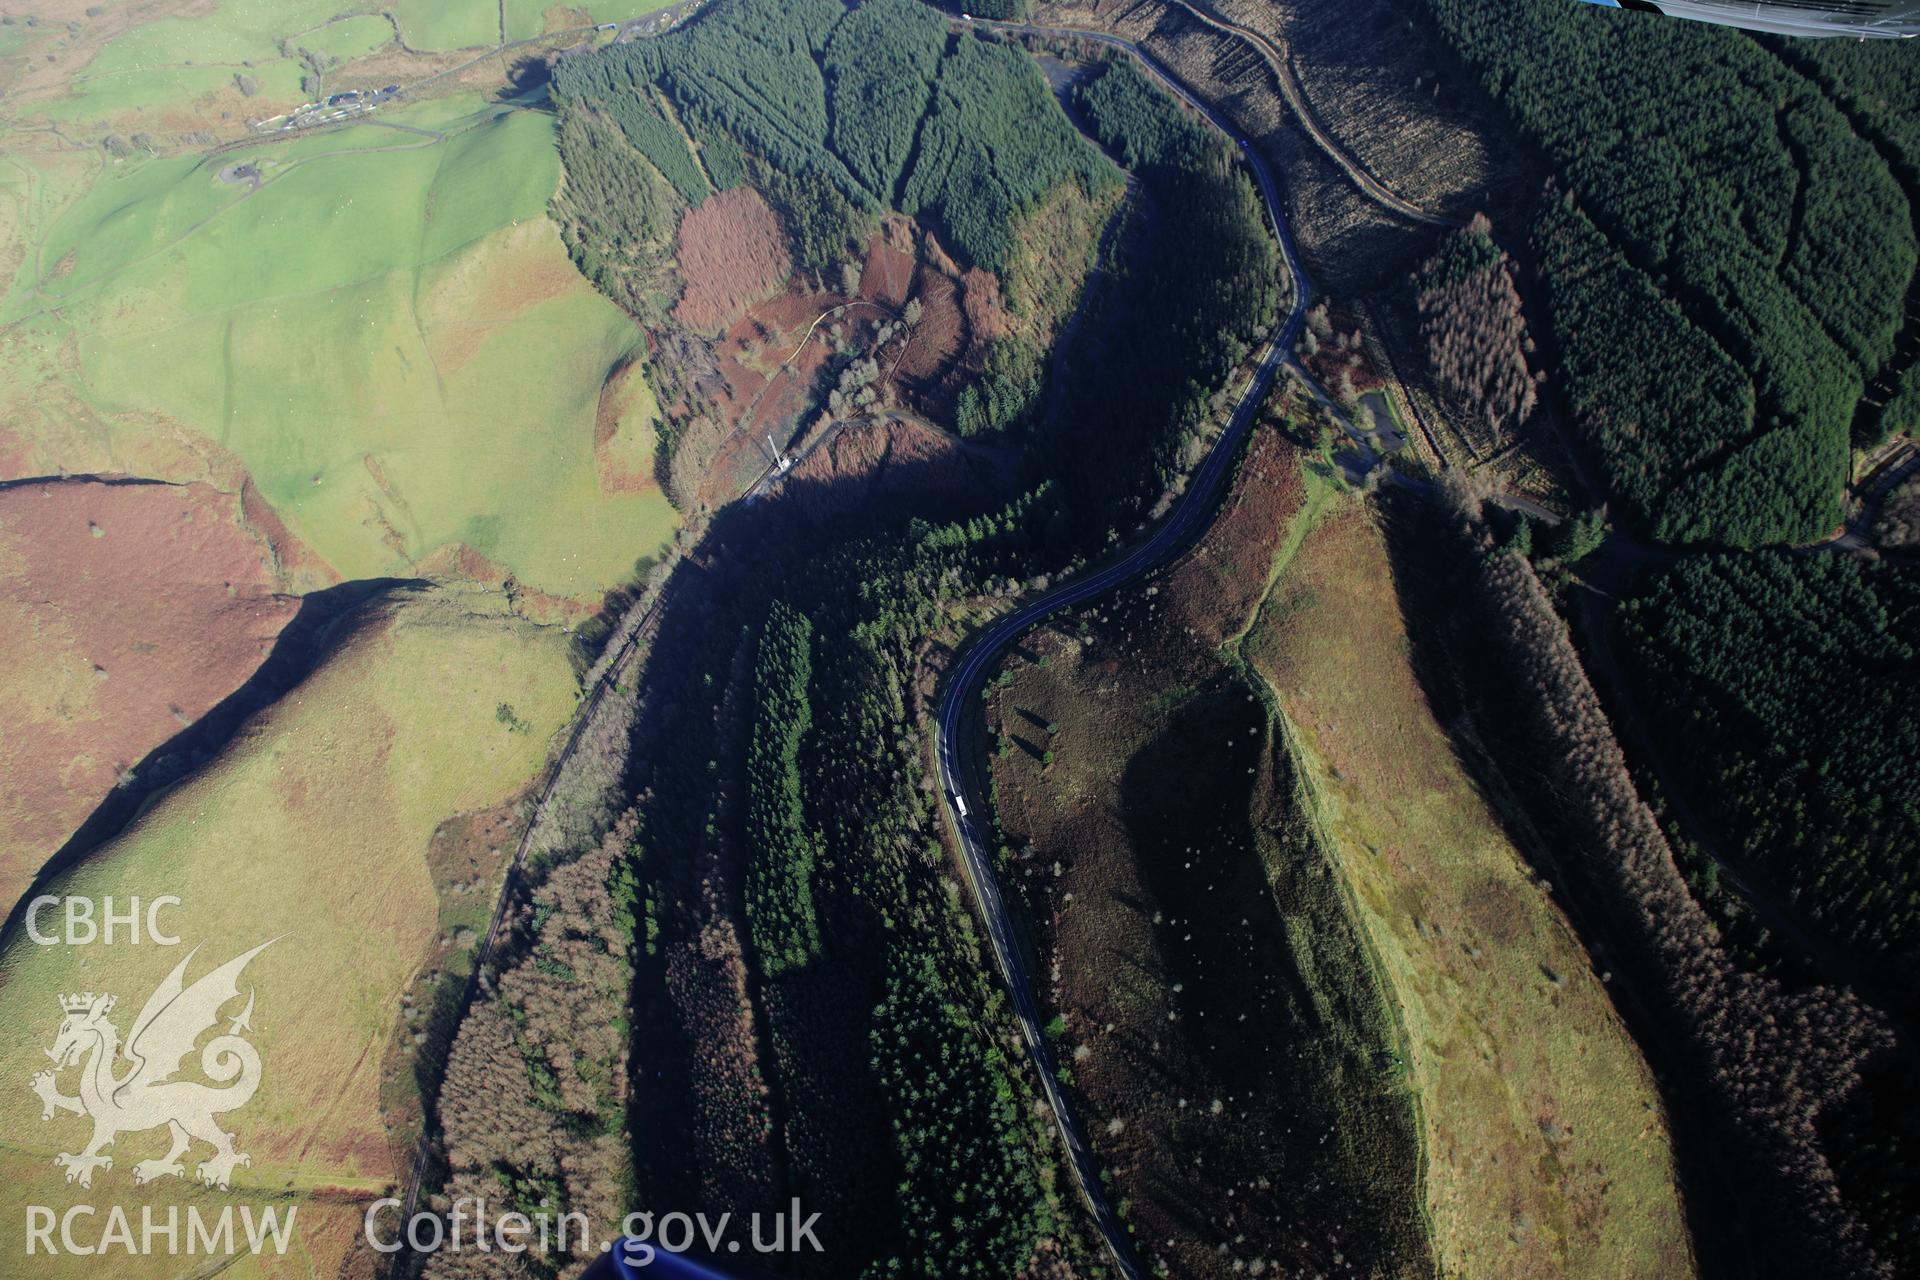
x: 325, y: 620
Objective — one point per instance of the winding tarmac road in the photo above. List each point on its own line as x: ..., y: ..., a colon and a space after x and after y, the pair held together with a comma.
x: 1194, y: 511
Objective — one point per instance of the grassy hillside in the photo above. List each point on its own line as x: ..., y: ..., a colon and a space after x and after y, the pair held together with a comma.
x: 1547, y: 1153
x: 347, y: 38
x: 387, y: 336
x: 173, y: 69
x: 314, y: 828
x: 464, y: 24
x: 437, y: 24
x: 143, y: 70
x: 143, y: 89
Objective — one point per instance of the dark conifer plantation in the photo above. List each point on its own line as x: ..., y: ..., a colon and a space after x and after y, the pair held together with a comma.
x: 1729, y: 267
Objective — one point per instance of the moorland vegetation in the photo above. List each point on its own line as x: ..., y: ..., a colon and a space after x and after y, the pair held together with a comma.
x: 1211, y: 993
x: 763, y: 979
x: 379, y: 381
x: 1726, y: 254
x: 396, y: 731
x: 1537, y: 1109
x: 838, y: 118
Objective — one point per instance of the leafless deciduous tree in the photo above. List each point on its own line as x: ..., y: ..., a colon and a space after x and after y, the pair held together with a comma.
x: 1476, y: 335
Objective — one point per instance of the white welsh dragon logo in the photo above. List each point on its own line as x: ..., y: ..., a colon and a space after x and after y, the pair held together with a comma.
x: 143, y: 1096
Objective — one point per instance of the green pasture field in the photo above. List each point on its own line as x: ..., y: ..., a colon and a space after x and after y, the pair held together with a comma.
x: 145, y: 78
x: 172, y: 62
x: 235, y: 31
x: 628, y: 451
x: 114, y: 93
x: 349, y: 38
x: 312, y: 827
x: 131, y: 211
x: 438, y: 25
x: 387, y: 335
x: 528, y: 18
x: 22, y: 194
